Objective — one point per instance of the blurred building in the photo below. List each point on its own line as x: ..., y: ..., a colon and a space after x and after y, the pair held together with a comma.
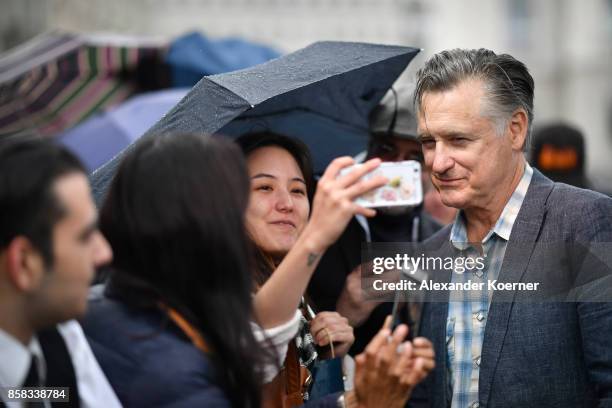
x: 565, y: 43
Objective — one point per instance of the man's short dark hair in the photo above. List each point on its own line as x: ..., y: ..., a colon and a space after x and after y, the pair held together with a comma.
x: 29, y: 167
x: 508, y: 83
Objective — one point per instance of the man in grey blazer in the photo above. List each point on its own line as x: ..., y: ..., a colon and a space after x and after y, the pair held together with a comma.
x: 510, y: 348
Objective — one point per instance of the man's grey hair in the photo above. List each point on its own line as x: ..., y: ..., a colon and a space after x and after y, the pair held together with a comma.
x: 508, y: 83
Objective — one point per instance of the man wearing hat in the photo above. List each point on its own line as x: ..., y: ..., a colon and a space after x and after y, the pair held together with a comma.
x: 336, y: 284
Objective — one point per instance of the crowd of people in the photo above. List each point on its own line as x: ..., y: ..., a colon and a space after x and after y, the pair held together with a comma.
x: 234, y: 277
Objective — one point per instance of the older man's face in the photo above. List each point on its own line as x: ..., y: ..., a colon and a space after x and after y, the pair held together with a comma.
x: 467, y: 159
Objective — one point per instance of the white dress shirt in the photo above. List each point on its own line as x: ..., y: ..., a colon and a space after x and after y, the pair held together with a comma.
x: 15, y: 358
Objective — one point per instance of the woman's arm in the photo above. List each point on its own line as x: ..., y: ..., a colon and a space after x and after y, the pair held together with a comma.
x: 333, y: 206
x: 278, y: 338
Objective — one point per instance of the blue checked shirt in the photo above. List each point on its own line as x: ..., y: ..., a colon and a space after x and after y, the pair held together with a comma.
x: 467, y: 316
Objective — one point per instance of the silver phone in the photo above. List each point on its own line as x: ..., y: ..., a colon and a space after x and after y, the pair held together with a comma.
x: 404, y: 188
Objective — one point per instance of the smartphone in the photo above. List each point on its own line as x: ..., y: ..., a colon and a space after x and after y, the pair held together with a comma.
x: 404, y: 187
x: 412, y: 301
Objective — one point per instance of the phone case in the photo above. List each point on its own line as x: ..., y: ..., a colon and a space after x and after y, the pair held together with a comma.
x: 404, y: 187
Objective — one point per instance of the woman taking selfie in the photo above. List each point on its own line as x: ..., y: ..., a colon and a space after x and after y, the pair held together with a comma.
x: 289, y: 238
x: 288, y: 245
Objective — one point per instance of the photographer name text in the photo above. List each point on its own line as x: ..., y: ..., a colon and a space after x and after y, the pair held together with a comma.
x: 430, y: 285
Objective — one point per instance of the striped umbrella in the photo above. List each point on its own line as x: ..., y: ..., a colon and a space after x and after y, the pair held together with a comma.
x: 57, y: 80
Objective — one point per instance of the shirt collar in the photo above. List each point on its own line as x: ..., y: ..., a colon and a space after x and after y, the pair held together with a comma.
x: 505, y: 222
x: 15, y: 359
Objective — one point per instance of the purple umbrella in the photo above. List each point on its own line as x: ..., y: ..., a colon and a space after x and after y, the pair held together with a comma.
x: 99, y: 139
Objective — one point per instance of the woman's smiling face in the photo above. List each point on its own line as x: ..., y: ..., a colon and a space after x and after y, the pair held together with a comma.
x: 278, y: 205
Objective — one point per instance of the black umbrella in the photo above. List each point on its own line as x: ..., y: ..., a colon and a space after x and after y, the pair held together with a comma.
x: 321, y: 94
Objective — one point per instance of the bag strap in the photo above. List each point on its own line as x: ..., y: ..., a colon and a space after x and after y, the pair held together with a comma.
x: 293, y: 373
x: 187, y: 328
x: 331, y: 342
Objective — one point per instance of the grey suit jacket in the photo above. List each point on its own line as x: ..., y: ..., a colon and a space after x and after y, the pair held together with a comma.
x: 538, y: 354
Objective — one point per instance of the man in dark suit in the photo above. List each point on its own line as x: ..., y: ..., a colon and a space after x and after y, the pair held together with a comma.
x: 49, y: 248
x: 510, y: 348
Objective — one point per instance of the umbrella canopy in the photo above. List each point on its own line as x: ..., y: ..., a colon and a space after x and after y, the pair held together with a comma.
x: 192, y: 56
x: 56, y: 80
x: 104, y: 135
x: 328, y: 88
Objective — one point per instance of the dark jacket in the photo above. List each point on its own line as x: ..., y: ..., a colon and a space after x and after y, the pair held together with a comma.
x: 538, y: 353
x: 148, y: 360
x: 339, y: 261
x: 151, y: 363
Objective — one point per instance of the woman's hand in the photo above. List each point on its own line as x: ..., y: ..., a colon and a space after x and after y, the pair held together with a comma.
x: 388, y: 370
x: 338, y: 328
x: 423, y: 357
x: 333, y: 204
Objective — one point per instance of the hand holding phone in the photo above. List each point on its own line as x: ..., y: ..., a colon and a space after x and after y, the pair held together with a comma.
x: 404, y: 187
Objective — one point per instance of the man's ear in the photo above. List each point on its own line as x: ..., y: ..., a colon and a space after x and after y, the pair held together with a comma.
x: 24, y: 264
x: 518, y: 126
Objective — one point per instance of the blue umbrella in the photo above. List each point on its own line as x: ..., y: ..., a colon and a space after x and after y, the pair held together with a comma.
x: 99, y: 139
x: 322, y: 94
x: 193, y: 56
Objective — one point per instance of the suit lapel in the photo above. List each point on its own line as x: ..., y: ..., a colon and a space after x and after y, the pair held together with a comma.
x: 516, y: 259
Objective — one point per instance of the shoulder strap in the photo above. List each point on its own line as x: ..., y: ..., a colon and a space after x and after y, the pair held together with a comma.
x: 60, y: 370
x: 191, y: 332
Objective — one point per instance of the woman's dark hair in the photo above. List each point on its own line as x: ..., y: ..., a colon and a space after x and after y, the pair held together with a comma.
x: 174, y: 216
x: 261, y: 263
